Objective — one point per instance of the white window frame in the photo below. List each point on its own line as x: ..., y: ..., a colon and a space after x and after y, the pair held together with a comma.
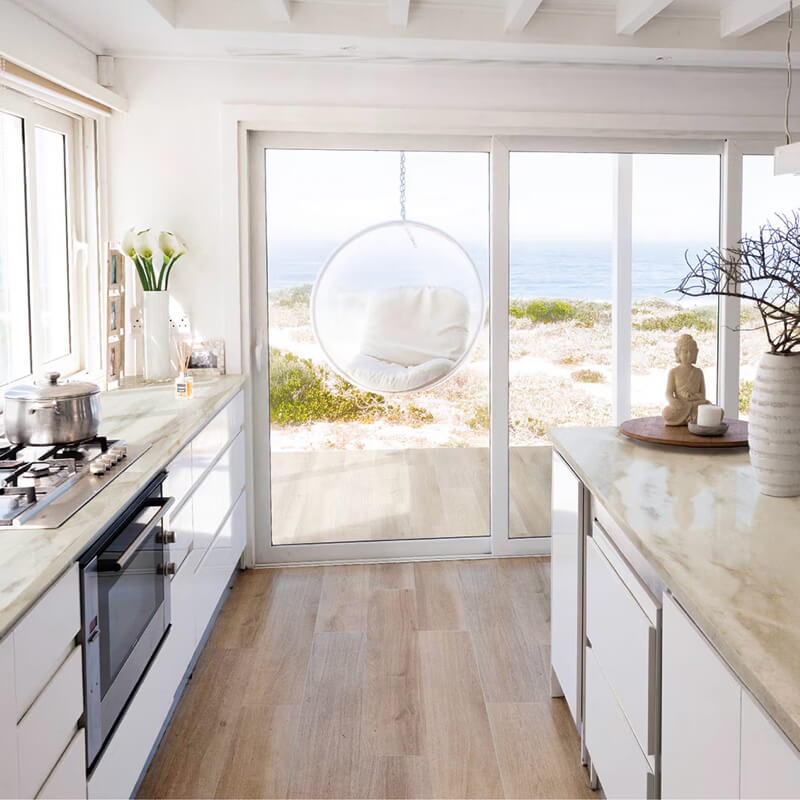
x: 39, y: 114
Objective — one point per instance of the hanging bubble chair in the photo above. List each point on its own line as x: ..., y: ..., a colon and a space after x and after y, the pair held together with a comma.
x: 398, y: 307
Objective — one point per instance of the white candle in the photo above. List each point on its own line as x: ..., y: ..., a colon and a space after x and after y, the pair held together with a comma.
x: 709, y: 416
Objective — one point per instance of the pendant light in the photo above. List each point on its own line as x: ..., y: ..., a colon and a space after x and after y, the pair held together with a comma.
x: 787, y: 157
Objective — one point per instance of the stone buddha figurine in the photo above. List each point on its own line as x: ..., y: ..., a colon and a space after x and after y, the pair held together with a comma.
x: 686, y: 385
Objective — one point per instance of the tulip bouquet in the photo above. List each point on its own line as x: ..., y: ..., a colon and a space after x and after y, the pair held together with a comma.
x: 141, y: 247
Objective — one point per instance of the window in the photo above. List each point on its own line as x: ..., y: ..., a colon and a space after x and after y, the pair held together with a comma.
x: 37, y: 177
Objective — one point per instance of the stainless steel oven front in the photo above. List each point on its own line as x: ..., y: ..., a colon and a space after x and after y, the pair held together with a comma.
x: 125, y: 581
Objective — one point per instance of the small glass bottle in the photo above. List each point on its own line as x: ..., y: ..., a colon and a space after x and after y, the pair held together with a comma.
x: 184, y: 386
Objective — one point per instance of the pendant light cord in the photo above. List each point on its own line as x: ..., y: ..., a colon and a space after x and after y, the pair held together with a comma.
x: 403, y: 186
x: 788, y: 73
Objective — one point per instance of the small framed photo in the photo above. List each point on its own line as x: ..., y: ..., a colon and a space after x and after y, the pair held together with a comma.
x: 116, y: 314
x: 116, y: 271
x: 115, y: 363
x: 207, y: 358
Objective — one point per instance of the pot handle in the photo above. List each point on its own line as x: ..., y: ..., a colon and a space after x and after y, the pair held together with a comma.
x: 44, y: 404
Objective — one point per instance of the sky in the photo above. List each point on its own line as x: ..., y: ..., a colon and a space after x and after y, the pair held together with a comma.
x: 330, y: 195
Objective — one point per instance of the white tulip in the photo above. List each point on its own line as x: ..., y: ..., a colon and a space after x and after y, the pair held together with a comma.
x: 129, y: 243
x: 145, y: 244
x: 170, y: 244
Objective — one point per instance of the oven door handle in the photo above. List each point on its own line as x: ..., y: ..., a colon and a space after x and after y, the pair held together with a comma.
x: 162, y: 505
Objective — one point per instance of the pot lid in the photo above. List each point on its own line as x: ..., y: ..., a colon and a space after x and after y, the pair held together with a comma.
x: 50, y: 388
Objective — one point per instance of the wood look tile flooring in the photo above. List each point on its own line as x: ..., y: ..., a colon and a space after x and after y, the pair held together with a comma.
x: 423, y: 680
x: 417, y: 493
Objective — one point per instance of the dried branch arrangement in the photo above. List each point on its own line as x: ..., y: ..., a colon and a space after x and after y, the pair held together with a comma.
x: 764, y: 269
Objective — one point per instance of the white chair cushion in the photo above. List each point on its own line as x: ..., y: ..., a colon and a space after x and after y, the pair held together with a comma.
x: 412, y: 325
x: 382, y: 376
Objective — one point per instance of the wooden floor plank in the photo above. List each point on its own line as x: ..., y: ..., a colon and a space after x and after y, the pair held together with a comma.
x: 244, y: 614
x: 392, y: 711
x: 538, y: 749
x: 392, y: 576
x: 458, y: 740
x: 328, y: 752
x: 439, y: 604
x: 400, y: 778
x: 343, y: 604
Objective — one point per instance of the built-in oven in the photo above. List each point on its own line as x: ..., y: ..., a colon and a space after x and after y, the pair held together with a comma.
x: 125, y: 579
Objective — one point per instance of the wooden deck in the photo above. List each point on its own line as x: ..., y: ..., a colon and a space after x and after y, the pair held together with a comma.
x: 376, y: 495
x: 426, y: 680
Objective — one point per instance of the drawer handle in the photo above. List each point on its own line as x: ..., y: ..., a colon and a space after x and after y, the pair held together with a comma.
x: 162, y: 504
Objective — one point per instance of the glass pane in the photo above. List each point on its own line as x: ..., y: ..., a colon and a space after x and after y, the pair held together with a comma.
x: 349, y: 464
x: 764, y: 197
x: 559, y: 315
x: 52, y: 274
x: 675, y: 215
x: 15, y: 349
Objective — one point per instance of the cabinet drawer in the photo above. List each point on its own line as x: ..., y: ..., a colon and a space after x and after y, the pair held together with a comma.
x: 217, y: 492
x: 181, y: 525
x: 44, y: 637
x: 178, y: 482
x: 625, y: 643
x: 621, y: 766
x: 50, y: 724
x: 67, y: 781
x: 8, y: 720
x: 207, y: 445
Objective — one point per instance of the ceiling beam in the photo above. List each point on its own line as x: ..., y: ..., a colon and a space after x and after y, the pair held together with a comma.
x: 278, y: 10
x: 634, y: 14
x: 398, y: 12
x: 519, y: 13
x: 743, y: 16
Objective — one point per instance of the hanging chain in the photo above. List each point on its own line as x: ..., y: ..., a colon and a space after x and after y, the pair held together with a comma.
x: 789, y: 73
x: 403, y: 186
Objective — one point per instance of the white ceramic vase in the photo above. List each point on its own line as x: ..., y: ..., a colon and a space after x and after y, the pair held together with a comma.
x: 157, y: 365
x: 774, y: 425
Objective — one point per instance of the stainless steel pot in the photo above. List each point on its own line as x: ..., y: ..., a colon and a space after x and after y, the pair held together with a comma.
x: 52, y: 412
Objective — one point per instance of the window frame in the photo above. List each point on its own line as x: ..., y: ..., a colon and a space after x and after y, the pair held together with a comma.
x: 38, y: 114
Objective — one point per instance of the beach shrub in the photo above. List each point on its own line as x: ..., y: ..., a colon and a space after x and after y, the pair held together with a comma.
x: 588, y: 376
x: 292, y: 296
x: 532, y: 425
x: 745, y: 396
x: 700, y: 319
x: 479, y: 421
x: 301, y: 391
x: 584, y: 312
x: 571, y: 359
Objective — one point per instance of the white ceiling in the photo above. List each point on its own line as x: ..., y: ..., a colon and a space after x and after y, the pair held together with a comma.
x: 707, y: 33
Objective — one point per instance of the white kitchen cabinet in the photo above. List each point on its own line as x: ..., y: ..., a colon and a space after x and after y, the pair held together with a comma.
x: 770, y: 764
x: 216, y: 434
x: 67, y: 781
x: 566, y: 584
x: 700, y: 714
x: 178, y: 482
x: 8, y: 721
x: 617, y: 757
x: 181, y: 526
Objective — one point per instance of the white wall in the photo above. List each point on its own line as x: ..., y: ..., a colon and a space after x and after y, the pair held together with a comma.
x: 165, y: 160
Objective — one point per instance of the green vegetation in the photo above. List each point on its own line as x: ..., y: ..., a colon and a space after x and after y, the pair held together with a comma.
x: 300, y: 392
x: 532, y: 425
x: 292, y: 297
x: 585, y: 313
x: 588, y: 376
x: 571, y: 359
x: 479, y: 421
x: 701, y: 319
x: 745, y: 396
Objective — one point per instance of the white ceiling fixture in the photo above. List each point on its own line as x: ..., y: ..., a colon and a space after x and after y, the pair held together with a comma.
x: 744, y: 16
x: 787, y: 157
x: 398, y: 12
x: 278, y: 10
x: 519, y: 13
x: 634, y: 14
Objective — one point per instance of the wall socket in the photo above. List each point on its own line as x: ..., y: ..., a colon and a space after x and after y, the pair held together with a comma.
x: 180, y: 325
x: 136, y: 319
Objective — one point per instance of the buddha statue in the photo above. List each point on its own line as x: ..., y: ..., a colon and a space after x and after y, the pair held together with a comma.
x: 686, y: 385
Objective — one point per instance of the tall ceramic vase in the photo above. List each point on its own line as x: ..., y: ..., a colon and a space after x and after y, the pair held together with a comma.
x: 774, y: 426
x: 156, y: 336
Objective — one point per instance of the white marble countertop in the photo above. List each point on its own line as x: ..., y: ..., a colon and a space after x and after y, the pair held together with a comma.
x: 730, y: 555
x: 30, y: 560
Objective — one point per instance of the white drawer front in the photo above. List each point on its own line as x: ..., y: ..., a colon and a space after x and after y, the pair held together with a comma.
x: 8, y: 721
x: 207, y: 445
x: 44, y: 636
x: 179, y: 480
x: 217, y: 492
x: 67, y: 781
x: 45, y: 731
x: 621, y: 766
x: 181, y: 525
x: 625, y: 644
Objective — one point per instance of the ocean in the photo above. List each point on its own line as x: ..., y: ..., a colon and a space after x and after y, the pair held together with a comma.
x: 577, y: 269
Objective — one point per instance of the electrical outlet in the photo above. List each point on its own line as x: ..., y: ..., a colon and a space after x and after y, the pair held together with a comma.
x: 137, y: 323
x: 180, y: 325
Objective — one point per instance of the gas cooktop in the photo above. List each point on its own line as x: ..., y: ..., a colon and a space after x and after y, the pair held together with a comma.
x: 42, y: 487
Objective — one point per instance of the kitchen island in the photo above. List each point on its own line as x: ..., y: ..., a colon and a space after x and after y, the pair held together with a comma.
x: 693, y: 528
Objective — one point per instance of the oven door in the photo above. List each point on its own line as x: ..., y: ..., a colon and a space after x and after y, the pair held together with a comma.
x: 126, y: 614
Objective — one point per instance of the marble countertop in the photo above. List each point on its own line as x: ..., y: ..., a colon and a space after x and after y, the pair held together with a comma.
x: 31, y: 560
x: 729, y: 555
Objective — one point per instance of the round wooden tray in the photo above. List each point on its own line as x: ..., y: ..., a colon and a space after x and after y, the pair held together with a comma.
x: 653, y: 429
